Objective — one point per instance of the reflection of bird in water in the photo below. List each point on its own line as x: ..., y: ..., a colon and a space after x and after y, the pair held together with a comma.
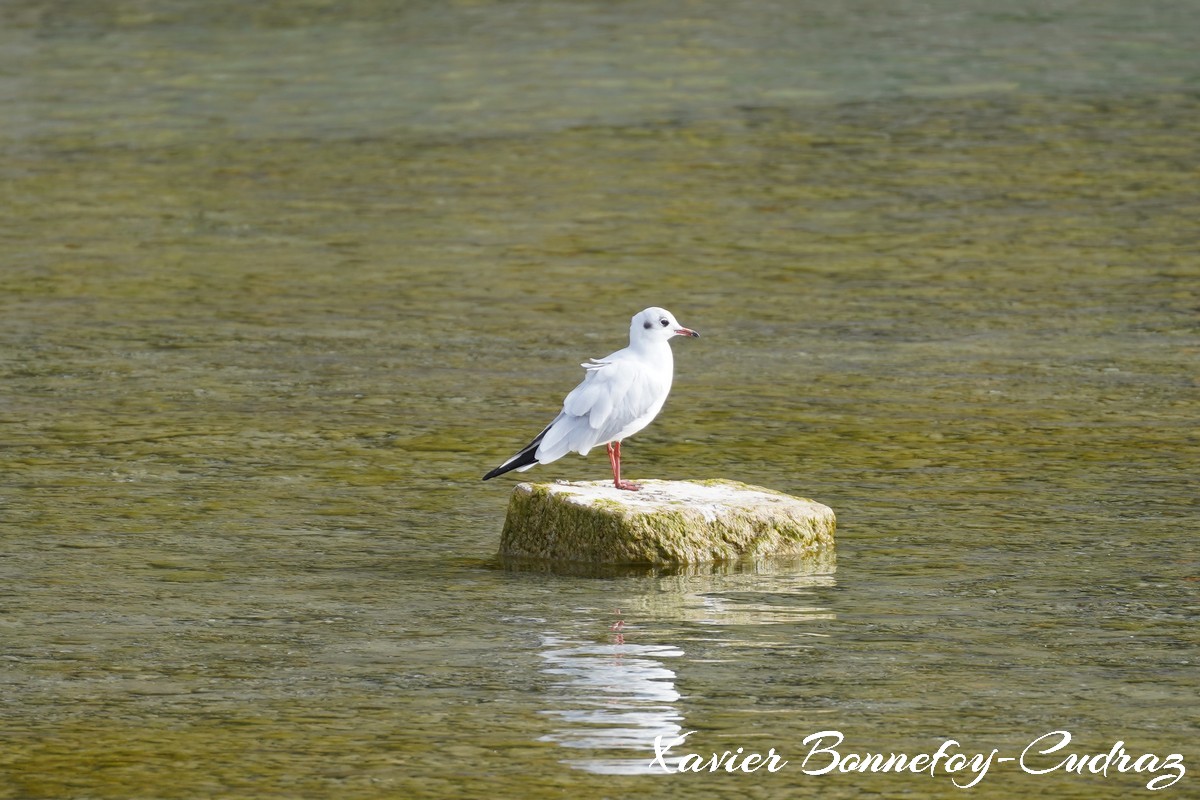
x: 611, y: 698
x: 618, y: 626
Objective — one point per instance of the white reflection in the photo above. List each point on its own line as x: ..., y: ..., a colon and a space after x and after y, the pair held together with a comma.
x: 616, y: 696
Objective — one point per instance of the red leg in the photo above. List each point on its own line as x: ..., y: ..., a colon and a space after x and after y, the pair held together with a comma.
x: 614, y: 457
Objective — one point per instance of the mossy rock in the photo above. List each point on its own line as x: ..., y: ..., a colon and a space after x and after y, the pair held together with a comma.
x: 667, y: 522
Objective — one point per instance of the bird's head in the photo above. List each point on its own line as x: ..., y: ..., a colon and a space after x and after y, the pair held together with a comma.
x: 656, y: 323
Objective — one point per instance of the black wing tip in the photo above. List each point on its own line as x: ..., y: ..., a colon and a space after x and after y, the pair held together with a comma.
x: 522, y: 459
x: 527, y: 456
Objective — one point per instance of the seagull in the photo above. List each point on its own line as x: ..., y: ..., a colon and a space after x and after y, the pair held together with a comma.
x: 620, y: 394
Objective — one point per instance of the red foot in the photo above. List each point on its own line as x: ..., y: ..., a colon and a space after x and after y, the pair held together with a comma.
x: 614, y: 460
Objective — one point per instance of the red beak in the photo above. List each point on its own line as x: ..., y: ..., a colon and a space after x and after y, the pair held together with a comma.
x: 687, y: 332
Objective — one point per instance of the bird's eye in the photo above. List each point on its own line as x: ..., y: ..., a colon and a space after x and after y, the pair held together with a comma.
x: 664, y: 322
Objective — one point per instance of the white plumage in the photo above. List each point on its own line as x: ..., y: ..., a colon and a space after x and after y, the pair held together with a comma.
x: 620, y: 394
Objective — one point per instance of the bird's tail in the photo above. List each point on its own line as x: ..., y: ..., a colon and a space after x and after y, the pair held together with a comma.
x: 526, y: 458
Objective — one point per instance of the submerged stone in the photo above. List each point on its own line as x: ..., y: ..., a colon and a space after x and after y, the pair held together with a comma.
x: 667, y: 522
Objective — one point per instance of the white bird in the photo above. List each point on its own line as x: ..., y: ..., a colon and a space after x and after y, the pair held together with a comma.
x: 620, y: 394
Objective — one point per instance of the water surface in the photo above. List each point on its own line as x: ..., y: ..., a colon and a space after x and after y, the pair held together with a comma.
x: 281, y: 282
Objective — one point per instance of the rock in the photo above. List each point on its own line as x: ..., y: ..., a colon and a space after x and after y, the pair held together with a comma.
x: 667, y: 522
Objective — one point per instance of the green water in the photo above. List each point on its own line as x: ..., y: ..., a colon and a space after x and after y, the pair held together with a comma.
x: 280, y: 282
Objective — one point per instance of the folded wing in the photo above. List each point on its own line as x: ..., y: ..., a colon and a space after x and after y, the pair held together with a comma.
x: 612, y: 395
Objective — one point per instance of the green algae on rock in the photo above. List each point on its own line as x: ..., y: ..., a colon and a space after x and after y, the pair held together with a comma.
x: 667, y: 522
